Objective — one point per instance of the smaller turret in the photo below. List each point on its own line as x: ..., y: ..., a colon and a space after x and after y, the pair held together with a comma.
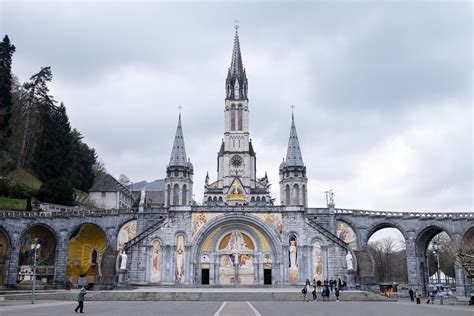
x: 179, y: 173
x: 293, y: 180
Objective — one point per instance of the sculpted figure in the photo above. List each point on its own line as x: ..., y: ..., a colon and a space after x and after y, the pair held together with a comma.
x: 292, y: 254
x: 349, y: 261
x: 123, y: 261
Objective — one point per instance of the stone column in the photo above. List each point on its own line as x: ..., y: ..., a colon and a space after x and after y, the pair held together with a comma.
x: 412, y: 263
x: 12, y: 268
x: 463, y: 285
x: 350, y: 276
x: 60, y: 262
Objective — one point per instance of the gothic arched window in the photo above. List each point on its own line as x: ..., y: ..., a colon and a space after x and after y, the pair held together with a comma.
x: 184, y: 193
x: 232, y: 118
x: 168, y: 195
x: 176, y: 194
x: 296, y: 194
x: 287, y: 195
x: 303, y: 191
x: 239, y: 116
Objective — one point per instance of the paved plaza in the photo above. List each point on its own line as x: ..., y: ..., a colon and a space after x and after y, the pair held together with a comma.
x: 129, y: 308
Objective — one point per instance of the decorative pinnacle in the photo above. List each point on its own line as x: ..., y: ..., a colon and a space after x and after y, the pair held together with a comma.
x: 236, y: 26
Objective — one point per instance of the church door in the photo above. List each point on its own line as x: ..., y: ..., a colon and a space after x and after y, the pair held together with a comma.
x: 267, y: 276
x: 204, y: 276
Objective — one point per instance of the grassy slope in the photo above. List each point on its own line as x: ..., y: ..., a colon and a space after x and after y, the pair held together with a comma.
x: 23, y: 176
x: 12, y: 203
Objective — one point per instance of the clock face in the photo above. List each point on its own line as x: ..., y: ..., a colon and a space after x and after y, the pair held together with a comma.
x: 236, y: 161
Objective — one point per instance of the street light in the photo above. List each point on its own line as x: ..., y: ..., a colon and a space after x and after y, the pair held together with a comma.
x: 436, y: 249
x: 35, y: 248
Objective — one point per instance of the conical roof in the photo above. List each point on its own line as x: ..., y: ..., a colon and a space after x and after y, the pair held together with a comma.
x: 178, y: 154
x: 293, y: 154
x: 236, y: 66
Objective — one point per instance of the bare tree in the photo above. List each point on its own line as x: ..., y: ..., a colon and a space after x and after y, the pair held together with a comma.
x: 465, y: 255
x: 390, y: 259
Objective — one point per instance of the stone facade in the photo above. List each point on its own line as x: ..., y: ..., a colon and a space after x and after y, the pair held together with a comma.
x: 237, y: 237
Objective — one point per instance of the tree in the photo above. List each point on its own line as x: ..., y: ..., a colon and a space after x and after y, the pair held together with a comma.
x: 34, y: 102
x: 83, y: 159
x: 389, y: 256
x: 56, y: 191
x: 446, y: 254
x: 6, y: 53
x: 52, y: 158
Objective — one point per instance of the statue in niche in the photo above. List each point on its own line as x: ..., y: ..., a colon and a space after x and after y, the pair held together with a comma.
x: 155, y: 267
x: 349, y: 261
x: 123, y: 261
x: 292, y: 251
x: 180, y: 259
x: 236, y: 243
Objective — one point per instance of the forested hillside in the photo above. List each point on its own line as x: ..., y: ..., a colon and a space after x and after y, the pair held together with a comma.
x: 36, y: 139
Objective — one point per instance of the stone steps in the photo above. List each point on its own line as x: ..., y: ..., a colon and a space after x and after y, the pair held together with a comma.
x: 176, y: 295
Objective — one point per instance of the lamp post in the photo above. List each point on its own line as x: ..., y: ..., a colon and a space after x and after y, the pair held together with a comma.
x: 436, y: 249
x: 35, y: 248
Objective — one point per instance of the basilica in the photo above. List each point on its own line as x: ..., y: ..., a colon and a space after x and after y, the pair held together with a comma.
x: 235, y: 237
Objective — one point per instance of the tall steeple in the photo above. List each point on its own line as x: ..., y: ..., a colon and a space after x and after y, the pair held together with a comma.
x: 237, y: 181
x: 293, y: 153
x: 236, y: 82
x: 178, y: 153
x: 179, y: 173
x: 293, y: 181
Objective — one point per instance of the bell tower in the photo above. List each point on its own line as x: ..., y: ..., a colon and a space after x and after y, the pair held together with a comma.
x: 293, y: 180
x: 236, y: 160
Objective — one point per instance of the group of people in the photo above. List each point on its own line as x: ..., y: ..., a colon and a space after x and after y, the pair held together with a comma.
x: 415, y: 295
x: 324, y: 289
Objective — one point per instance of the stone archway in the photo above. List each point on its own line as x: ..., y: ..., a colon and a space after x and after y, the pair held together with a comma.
x: 422, y: 241
x: 236, y: 254
x: 212, y: 249
x: 86, y: 246
x: 45, y: 256
x: 466, y: 252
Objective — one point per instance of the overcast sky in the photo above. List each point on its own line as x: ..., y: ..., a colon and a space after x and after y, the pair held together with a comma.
x: 382, y: 91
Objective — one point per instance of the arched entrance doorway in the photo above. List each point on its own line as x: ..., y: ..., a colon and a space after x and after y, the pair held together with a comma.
x: 85, y: 249
x: 237, y: 250
x: 45, y: 256
x: 433, y: 246
x: 466, y: 253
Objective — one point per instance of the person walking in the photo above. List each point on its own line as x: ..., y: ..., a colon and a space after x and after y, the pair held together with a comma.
x: 305, y: 291
x: 315, y: 296
x: 412, y: 295
x: 80, y: 300
x: 336, y: 292
x: 417, y: 296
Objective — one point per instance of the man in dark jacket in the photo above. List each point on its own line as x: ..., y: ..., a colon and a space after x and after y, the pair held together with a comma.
x: 80, y: 300
x: 412, y: 295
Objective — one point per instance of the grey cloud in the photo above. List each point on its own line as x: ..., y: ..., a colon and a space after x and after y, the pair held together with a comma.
x: 355, y: 71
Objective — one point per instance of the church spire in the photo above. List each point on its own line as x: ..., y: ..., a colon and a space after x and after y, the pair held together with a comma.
x: 178, y: 154
x: 236, y: 82
x: 293, y: 154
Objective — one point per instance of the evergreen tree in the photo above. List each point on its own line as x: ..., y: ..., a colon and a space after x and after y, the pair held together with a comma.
x: 83, y: 158
x: 36, y: 102
x: 6, y: 53
x: 57, y: 191
x: 52, y: 158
